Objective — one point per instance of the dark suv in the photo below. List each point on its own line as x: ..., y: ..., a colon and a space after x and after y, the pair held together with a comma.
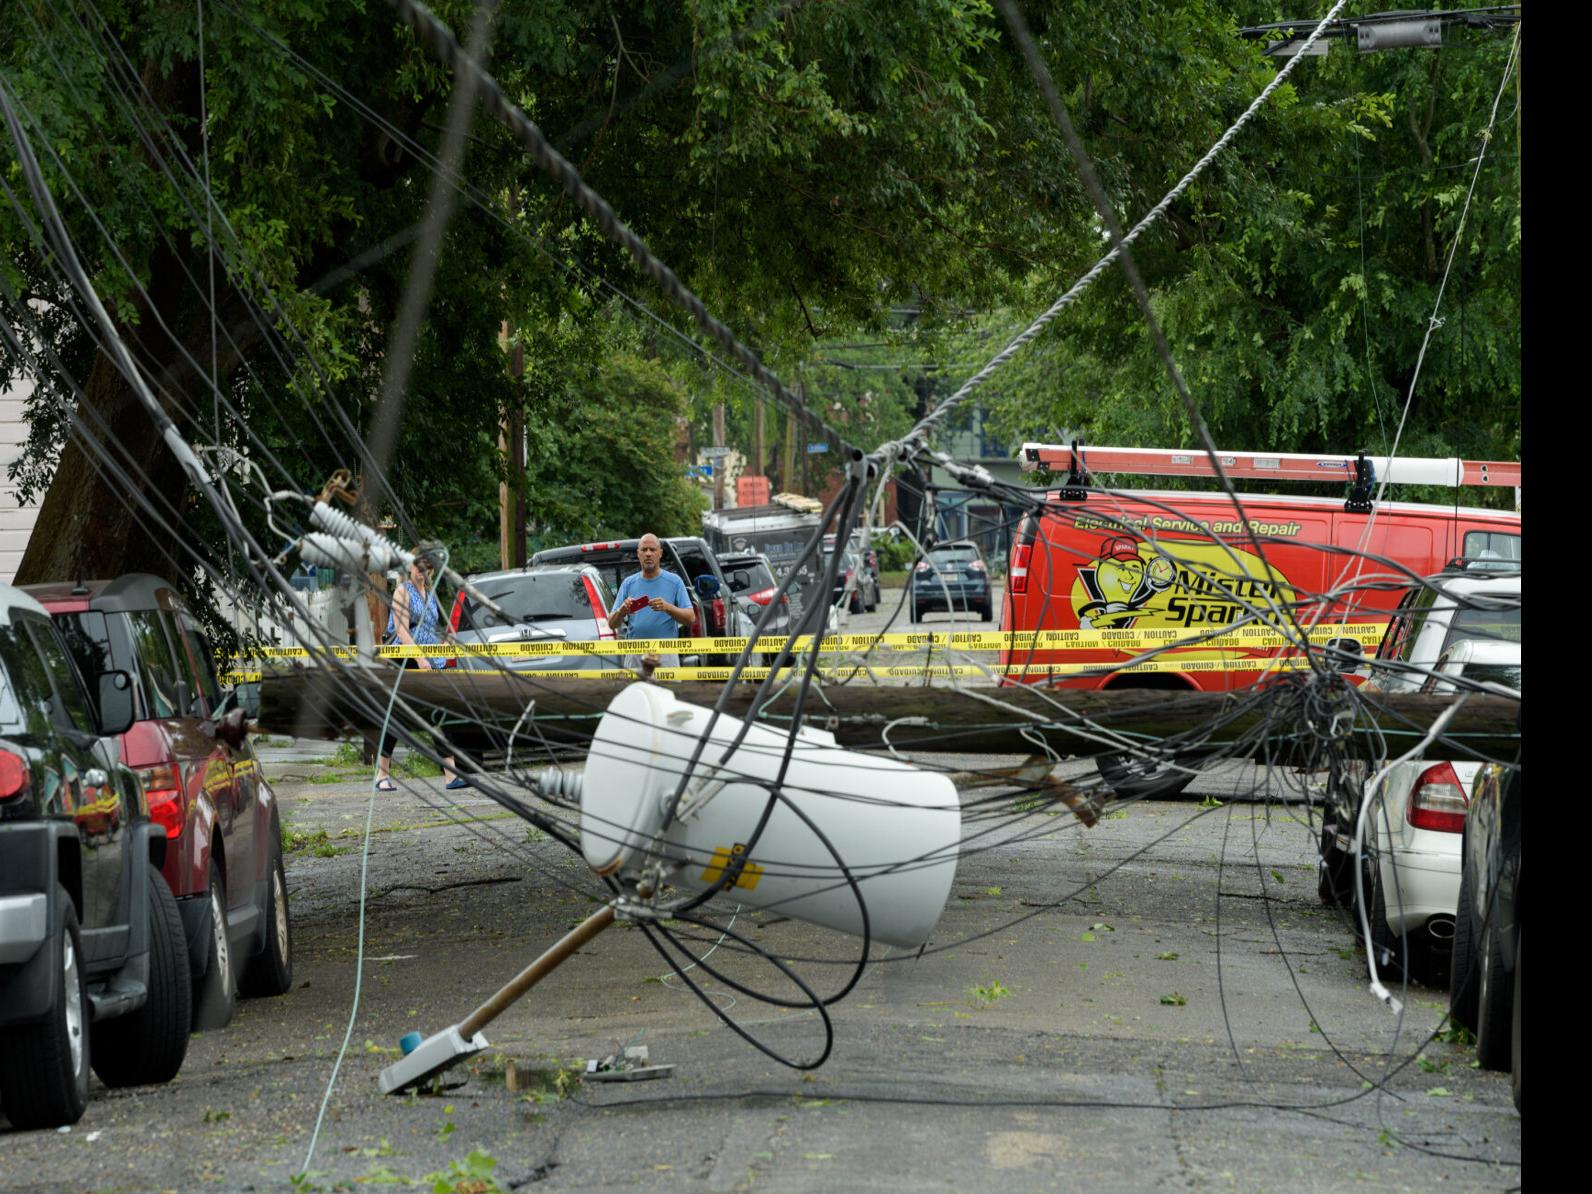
x: 189, y: 746
x: 689, y: 558
x: 92, y: 965
x: 951, y: 577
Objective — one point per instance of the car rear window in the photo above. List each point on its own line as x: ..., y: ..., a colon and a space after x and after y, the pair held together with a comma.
x: 1507, y: 674
x: 953, y: 555
x: 1490, y: 625
x: 534, y: 597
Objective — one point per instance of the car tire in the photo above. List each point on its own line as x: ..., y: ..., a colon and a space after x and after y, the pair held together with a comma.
x: 874, y: 604
x: 215, y: 989
x: 1494, y: 997
x: 984, y: 612
x: 1397, y: 958
x: 147, y: 1046
x: 1334, y: 874
x: 914, y: 613
x: 1131, y: 777
x: 1464, y: 969
x: 1514, y: 1031
x: 270, y: 972
x: 44, y: 1065
x: 856, y: 605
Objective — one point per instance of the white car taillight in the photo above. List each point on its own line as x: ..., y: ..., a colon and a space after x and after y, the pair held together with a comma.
x: 1438, y: 800
x: 976, y: 566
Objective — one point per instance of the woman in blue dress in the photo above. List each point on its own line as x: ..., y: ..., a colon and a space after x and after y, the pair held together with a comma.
x: 415, y: 620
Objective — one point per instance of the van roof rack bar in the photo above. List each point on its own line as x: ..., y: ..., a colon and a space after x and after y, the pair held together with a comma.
x: 1284, y: 466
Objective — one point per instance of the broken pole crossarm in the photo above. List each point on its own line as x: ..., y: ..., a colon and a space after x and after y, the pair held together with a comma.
x: 425, y: 1059
x: 482, y: 706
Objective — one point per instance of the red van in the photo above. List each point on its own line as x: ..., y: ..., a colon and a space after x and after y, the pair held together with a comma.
x: 1184, y: 561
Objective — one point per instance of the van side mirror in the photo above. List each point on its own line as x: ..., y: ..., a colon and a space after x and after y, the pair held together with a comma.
x: 115, y: 703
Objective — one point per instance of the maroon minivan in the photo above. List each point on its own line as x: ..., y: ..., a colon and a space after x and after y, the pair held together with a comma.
x: 189, y: 746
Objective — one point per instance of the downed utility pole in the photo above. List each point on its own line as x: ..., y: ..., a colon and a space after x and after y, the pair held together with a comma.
x: 480, y: 708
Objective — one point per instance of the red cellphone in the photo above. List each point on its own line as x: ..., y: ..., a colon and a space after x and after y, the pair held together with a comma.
x: 637, y: 603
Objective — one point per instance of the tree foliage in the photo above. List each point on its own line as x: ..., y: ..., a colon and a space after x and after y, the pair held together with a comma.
x: 819, y: 172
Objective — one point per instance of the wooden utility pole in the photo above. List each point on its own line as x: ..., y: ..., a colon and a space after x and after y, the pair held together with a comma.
x: 787, y: 472
x: 480, y: 708
x: 511, y: 445
x: 759, y: 457
x: 718, y: 457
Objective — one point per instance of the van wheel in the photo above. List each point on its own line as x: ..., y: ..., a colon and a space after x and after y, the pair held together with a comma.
x: 214, y: 991
x: 147, y: 1046
x: 270, y: 972
x: 1132, y: 777
x: 44, y: 1066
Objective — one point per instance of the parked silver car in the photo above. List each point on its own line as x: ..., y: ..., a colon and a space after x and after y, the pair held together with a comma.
x: 750, y: 576
x: 545, y: 603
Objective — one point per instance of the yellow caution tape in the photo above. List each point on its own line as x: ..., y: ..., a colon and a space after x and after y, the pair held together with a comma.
x: 902, y: 671
x: 1247, y: 637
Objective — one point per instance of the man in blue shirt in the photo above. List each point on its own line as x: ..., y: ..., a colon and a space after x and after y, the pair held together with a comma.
x: 657, y: 604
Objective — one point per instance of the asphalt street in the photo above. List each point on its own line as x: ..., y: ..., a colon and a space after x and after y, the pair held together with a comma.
x: 1159, y: 1001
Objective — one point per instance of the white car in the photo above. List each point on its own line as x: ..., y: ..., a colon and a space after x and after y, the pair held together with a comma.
x: 1457, y: 632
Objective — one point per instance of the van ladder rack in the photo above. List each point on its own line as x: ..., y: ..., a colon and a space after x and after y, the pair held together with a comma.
x: 1284, y: 466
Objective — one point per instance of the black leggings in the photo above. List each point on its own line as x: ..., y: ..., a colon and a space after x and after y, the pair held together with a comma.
x: 389, y: 739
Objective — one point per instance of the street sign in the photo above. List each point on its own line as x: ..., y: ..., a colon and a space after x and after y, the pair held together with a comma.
x: 814, y: 449
x: 699, y: 470
x: 714, y: 453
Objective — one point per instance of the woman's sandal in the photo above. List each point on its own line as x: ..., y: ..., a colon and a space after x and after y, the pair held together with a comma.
x: 386, y: 785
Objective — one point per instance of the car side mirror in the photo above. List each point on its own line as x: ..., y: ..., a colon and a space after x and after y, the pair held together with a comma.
x: 115, y: 703
x: 232, y: 727
x: 707, y: 587
x: 1347, y: 653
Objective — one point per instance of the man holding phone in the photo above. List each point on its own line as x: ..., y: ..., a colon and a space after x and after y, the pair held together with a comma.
x: 657, y: 604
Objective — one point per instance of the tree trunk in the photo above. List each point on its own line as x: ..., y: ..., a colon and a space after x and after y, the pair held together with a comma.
x: 89, y: 526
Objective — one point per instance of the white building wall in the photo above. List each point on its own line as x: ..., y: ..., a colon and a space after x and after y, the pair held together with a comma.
x: 16, y: 520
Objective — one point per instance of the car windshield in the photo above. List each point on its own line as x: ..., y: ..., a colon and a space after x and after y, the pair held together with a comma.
x: 534, y: 597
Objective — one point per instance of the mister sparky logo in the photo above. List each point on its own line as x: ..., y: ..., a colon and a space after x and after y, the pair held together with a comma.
x: 1173, y: 583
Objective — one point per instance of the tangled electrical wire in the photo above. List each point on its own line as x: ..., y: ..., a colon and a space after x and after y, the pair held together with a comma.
x: 1312, y: 718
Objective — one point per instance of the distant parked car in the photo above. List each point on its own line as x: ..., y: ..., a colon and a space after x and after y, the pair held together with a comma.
x: 951, y: 577
x: 92, y: 965
x: 1485, y: 991
x: 689, y: 558
x: 752, y: 584
x: 565, y: 603
x: 189, y: 746
x: 1459, y: 630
